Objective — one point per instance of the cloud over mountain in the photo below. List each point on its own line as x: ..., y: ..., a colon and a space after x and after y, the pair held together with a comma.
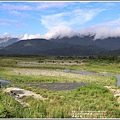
x: 27, y: 36
x: 59, y: 31
x: 100, y: 32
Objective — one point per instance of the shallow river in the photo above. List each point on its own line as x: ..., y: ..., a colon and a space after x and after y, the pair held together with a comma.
x: 5, y: 83
x: 95, y: 73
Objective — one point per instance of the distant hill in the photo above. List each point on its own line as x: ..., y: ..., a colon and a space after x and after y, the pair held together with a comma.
x: 74, y: 46
x: 115, y: 52
x: 75, y: 50
x: 47, y: 47
x: 34, y: 46
x: 7, y: 41
x: 76, y: 40
x: 110, y: 43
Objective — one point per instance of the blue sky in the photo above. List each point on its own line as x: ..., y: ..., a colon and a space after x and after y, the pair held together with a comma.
x: 49, y: 19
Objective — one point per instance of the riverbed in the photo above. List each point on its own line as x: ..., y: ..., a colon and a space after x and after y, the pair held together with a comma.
x: 5, y: 82
x: 94, y: 73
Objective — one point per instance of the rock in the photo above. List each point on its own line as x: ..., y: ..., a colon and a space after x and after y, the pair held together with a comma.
x: 117, y: 95
x: 19, y: 94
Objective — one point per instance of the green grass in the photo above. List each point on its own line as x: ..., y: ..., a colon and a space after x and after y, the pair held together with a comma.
x: 88, y: 64
x: 61, y: 104
x: 19, y: 78
x: 102, y: 67
x: 9, y: 108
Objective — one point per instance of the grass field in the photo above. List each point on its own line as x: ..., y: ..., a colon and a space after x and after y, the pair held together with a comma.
x: 28, y: 72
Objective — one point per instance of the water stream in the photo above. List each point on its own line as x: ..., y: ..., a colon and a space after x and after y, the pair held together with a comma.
x: 94, y: 73
x: 5, y: 83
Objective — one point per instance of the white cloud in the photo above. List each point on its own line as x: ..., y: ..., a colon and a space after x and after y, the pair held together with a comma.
x: 32, y: 5
x: 27, y: 36
x: 113, y: 23
x: 7, y: 22
x: 14, y: 12
x: 51, y: 21
x: 106, y: 29
x: 105, y: 32
x: 59, y: 31
x: 76, y: 17
x: 64, y: 31
x: 100, y: 32
x: 7, y: 35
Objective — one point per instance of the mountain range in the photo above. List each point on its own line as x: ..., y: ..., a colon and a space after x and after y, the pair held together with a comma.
x: 73, y: 46
x: 7, y: 41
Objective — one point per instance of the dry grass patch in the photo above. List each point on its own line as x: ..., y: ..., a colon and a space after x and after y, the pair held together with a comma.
x: 60, y: 76
x: 56, y: 73
x: 115, y: 91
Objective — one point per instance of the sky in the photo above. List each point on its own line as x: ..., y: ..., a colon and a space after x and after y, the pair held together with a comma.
x: 41, y: 19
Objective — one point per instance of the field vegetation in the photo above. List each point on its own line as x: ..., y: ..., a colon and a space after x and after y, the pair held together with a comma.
x: 25, y: 71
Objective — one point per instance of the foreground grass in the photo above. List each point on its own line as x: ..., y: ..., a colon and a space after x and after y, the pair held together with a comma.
x: 61, y: 104
x: 9, y: 108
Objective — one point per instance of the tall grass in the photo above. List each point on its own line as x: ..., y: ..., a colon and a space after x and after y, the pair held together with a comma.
x: 61, y: 104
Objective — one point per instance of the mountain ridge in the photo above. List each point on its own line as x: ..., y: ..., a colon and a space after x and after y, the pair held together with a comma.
x: 78, y: 46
